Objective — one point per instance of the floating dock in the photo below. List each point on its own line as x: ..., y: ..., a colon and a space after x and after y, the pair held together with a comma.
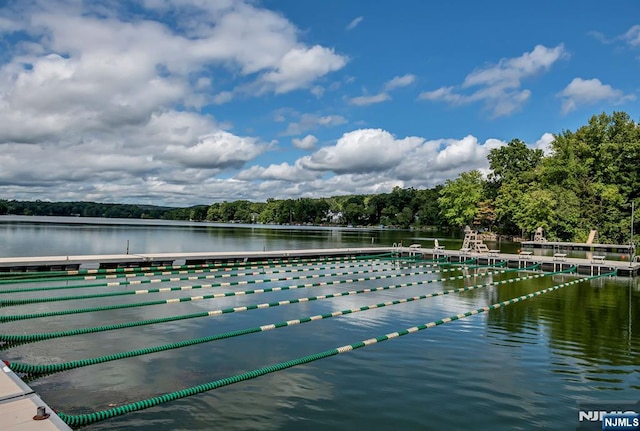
x: 557, y: 262
x: 604, y: 248
x: 594, y: 265
x: 66, y: 263
x: 21, y: 409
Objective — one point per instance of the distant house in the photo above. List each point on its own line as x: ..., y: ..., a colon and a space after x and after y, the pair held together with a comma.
x: 335, y: 217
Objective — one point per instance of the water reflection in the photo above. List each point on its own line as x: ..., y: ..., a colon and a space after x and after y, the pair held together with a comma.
x: 519, y: 367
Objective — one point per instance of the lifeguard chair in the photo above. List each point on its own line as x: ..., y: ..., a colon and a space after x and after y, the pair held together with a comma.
x: 538, y: 237
x: 472, y: 243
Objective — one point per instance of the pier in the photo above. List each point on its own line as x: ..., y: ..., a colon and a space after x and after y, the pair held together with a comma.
x: 593, y: 265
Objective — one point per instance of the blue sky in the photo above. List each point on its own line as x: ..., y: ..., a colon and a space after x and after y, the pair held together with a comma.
x: 189, y: 102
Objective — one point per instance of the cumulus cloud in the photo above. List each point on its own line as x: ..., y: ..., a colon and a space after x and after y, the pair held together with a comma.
x: 307, y: 143
x: 436, y: 160
x: 301, y: 66
x: 110, y: 100
x: 360, y: 151
x: 280, y: 172
x: 588, y: 92
x: 372, y: 161
x: 544, y: 143
x: 370, y: 100
x: 499, y: 86
x: 219, y: 150
x: 354, y: 23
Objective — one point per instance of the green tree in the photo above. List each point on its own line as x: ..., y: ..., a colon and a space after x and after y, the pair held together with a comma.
x: 459, y: 198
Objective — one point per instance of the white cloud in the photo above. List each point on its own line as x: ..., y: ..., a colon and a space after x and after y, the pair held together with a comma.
x: 373, y: 161
x: 279, y: 172
x: 590, y: 91
x: 360, y: 151
x: 110, y: 102
x: 311, y: 122
x: 301, y: 66
x: 222, y: 97
x: 499, y: 86
x: 544, y: 143
x: 354, y: 23
x: 317, y: 91
x: 446, y: 94
x: 400, y: 81
x: 307, y: 143
x: 7, y: 25
x: 219, y: 150
x: 632, y: 36
x: 370, y: 100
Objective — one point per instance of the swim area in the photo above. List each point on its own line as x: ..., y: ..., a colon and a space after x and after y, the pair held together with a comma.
x: 375, y: 341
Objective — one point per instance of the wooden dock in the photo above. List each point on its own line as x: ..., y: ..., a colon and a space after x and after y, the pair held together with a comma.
x: 21, y: 409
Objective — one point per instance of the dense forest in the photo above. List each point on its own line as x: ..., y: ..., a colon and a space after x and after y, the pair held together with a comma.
x: 587, y: 181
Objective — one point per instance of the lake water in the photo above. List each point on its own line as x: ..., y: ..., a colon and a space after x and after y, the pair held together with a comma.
x: 522, y: 367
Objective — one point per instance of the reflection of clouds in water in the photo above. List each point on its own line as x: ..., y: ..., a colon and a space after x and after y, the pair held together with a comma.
x: 264, y: 403
x: 138, y: 378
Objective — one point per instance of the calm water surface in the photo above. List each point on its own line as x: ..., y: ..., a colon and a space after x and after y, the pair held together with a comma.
x: 518, y: 368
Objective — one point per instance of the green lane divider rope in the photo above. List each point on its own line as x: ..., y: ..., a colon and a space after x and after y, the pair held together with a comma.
x: 300, y: 267
x: 29, y: 338
x: 24, y: 301
x: 32, y: 369
x: 86, y: 419
x: 16, y: 317
x: 93, y: 274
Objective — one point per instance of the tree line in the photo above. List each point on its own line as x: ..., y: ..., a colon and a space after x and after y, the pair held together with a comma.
x: 402, y: 208
x: 587, y: 181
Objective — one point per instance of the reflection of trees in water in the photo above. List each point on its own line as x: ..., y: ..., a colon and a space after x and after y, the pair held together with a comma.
x: 591, y: 320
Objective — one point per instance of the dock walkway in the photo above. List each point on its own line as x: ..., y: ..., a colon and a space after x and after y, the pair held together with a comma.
x: 557, y: 262
x: 525, y: 258
x: 19, y: 407
x: 57, y: 263
x: 609, y: 248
